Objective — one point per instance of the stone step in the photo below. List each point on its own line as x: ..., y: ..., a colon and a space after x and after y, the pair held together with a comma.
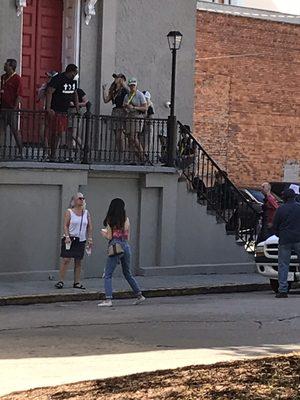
x: 199, y: 269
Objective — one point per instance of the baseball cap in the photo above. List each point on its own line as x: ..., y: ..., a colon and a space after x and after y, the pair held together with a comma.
x: 50, y: 74
x: 132, y: 81
x: 119, y: 76
x: 147, y: 94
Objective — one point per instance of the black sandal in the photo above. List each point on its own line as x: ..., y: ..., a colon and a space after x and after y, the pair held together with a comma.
x: 59, y: 285
x: 77, y: 285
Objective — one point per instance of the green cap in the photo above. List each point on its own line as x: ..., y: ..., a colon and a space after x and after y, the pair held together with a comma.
x: 132, y: 81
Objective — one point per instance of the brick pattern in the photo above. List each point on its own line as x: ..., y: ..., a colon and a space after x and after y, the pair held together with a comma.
x: 247, y: 95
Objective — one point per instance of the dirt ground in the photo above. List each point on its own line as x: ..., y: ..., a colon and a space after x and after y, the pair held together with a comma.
x: 265, y: 378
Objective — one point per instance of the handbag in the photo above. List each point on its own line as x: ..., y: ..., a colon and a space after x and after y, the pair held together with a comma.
x: 74, y: 242
x: 115, y: 250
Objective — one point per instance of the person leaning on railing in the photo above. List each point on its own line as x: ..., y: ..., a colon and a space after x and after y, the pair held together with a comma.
x: 116, y: 94
x: 62, y: 89
x: 147, y: 131
x: 10, y: 99
x: 223, y: 196
x: 42, y: 90
x: 185, y: 148
x: 75, y: 134
x: 135, y: 106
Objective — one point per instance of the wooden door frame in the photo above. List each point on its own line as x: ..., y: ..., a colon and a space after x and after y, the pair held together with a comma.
x: 77, y: 26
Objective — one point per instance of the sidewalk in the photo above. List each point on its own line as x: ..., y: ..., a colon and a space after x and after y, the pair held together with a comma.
x: 27, y: 292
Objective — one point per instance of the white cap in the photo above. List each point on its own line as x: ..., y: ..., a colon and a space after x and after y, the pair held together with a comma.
x: 295, y: 188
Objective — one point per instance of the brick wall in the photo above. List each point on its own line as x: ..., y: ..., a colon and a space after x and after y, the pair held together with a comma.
x: 247, y: 107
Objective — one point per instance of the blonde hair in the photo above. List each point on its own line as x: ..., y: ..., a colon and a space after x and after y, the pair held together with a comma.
x: 74, y: 197
x: 266, y: 184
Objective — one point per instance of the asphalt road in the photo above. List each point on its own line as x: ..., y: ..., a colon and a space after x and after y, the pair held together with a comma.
x: 43, y: 345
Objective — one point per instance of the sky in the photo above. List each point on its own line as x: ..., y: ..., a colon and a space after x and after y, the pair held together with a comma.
x: 284, y: 6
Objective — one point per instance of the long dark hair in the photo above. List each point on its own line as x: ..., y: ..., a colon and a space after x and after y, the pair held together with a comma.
x: 116, y: 214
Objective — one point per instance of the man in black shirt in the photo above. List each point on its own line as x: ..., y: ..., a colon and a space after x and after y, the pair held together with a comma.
x: 61, y: 91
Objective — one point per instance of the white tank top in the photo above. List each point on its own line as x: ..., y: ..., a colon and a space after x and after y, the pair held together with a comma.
x: 75, y: 222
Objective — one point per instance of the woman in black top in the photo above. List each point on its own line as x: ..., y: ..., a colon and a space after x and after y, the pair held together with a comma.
x: 116, y: 95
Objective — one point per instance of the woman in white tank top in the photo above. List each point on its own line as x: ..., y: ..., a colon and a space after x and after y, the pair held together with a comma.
x: 77, y: 232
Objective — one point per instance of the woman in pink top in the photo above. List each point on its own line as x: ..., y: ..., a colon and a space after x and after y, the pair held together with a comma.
x: 117, y: 231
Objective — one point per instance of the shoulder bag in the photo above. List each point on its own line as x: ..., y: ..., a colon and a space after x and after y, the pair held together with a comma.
x: 114, y: 249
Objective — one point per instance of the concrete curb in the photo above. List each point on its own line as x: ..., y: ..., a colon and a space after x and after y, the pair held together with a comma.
x: 160, y: 292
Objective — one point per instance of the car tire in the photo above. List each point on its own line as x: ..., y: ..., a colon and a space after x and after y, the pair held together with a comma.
x: 275, y: 285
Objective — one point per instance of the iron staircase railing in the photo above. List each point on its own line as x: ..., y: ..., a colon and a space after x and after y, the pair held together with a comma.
x: 215, y: 190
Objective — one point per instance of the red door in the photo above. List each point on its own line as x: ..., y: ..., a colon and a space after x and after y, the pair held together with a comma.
x: 42, y: 46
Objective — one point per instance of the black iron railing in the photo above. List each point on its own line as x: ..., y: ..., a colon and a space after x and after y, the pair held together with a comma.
x: 215, y: 190
x: 84, y: 138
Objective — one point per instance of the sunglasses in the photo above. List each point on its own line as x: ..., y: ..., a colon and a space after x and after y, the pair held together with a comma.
x: 80, y: 198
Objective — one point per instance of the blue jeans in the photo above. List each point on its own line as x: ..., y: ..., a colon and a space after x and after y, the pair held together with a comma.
x: 284, y: 257
x: 111, y: 265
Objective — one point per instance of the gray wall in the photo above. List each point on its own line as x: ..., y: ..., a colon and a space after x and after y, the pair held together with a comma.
x: 100, y: 190
x: 169, y: 228
x: 199, y: 239
x: 34, y: 201
x: 31, y: 217
x: 107, y: 48
x: 137, y: 36
x: 10, y: 32
x: 142, y: 49
x: 90, y: 56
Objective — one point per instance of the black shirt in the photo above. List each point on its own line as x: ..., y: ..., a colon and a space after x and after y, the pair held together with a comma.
x: 118, y: 97
x: 150, y: 111
x: 81, y: 95
x: 64, y: 92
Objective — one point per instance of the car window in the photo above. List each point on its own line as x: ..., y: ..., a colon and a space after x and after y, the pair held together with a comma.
x: 259, y: 196
x: 249, y: 198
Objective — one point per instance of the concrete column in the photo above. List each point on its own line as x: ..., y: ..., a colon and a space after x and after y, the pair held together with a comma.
x: 107, y: 56
x: 10, y: 33
x: 166, y: 185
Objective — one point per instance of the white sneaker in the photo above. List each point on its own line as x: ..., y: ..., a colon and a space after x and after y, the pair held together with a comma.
x: 139, y: 300
x: 105, y: 303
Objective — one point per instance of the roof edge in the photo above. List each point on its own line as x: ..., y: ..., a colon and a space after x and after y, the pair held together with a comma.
x: 247, y: 12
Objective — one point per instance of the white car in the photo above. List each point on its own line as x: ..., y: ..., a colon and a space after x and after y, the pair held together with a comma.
x: 266, y: 259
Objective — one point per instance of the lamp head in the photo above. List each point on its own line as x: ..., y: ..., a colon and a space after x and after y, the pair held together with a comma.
x: 174, y: 40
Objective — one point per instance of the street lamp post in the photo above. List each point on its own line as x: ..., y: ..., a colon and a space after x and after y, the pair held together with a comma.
x: 174, y: 40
